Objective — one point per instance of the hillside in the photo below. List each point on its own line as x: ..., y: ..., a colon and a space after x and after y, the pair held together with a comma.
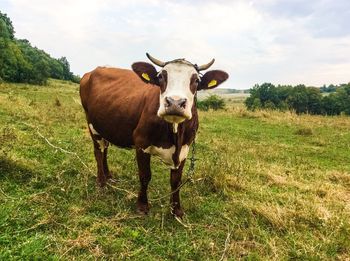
x: 224, y: 93
x: 267, y: 185
x: 24, y: 63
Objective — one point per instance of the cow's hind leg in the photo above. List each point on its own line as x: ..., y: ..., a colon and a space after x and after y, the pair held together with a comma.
x: 143, y: 163
x: 175, y: 182
x: 105, y: 164
x: 100, y: 151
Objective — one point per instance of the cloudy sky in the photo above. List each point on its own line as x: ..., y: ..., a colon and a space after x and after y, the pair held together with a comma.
x: 278, y: 41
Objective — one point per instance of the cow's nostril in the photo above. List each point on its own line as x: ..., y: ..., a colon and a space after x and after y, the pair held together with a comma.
x: 168, y: 101
x: 182, y: 103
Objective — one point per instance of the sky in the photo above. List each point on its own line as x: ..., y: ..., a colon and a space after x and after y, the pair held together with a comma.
x: 277, y: 41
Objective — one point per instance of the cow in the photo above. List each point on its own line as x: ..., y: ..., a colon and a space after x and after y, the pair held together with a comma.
x: 152, y: 111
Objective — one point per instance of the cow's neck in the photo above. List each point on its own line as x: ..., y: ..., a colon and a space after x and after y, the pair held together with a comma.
x: 177, y: 134
x: 175, y: 127
x: 178, y: 141
x: 187, y: 127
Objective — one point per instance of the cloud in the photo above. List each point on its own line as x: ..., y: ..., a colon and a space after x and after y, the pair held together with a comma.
x: 257, y: 41
x: 325, y: 18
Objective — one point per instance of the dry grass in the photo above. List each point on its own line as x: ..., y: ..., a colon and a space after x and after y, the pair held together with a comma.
x: 264, y: 188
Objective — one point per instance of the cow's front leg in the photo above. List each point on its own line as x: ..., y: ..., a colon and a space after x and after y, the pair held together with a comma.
x: 143, y: 163
x: 175, y: 182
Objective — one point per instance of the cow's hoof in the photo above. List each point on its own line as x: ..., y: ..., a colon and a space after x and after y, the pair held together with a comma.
x: 178, y: 212
x: 142, y: 208
x: 101, y: 182
x: 109, y: 176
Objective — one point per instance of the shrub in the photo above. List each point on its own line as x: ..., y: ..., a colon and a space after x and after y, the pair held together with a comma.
x: 212, y: 102
x: 304, y: 132
x: 256, y: 104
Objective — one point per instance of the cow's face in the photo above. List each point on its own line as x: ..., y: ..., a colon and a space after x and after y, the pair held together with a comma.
x: 178, y: 84
x: 178, y: 81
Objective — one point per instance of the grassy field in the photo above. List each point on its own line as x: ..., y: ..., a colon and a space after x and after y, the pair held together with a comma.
x: 267, y: 185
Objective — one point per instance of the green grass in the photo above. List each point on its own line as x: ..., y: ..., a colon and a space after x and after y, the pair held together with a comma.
x: 268, y: 185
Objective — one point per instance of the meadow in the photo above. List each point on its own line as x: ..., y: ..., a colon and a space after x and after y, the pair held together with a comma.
x: 267, y: 186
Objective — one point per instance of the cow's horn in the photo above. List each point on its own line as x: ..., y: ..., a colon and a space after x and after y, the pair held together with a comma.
x: 206, y: 66
x: 155, y: 61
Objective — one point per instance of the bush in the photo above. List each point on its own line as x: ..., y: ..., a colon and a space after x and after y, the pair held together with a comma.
x: 256, y: 104
x: 212, y: 102
x: 304, y: 132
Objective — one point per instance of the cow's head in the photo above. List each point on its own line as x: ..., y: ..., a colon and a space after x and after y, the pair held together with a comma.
x: 179, y: 80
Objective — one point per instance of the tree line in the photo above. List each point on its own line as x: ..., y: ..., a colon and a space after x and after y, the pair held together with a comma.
x: 21, y: 62
x: 301, y: 99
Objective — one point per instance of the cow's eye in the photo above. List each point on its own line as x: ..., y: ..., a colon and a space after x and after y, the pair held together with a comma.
x: 197, y: 81
x: 160, y: 77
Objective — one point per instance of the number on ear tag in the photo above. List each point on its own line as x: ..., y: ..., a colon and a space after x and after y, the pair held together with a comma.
x: 212, y: 83
x: 146, y: 76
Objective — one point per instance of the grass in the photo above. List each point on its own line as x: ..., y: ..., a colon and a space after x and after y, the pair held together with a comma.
x: 268, y: 185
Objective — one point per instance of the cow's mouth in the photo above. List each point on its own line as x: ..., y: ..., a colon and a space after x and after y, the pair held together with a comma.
x: 172, y: 118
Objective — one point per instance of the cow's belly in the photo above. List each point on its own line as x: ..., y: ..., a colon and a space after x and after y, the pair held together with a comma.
x: 167, y: 155
x: 122, y: 139
x: 118, y: 132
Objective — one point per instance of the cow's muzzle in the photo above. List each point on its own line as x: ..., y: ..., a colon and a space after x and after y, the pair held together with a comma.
x: 175, y: 103
x: 175, y: 109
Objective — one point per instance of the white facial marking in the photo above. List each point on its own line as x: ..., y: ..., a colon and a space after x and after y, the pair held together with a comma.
x: 183, y: 152
x: 178, y: 87
x: 166, y: 155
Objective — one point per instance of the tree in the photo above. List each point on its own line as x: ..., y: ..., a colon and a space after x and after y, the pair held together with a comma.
x: 343, y: 99
x: 298, y: 99
x: 314, y: 100
x: 267, y: 94
x: 67, y: 75
x: 56, y: 69
x: 21, y: 62
x: 6, y: 27
x: 330, y: 105
x: 14, y: 66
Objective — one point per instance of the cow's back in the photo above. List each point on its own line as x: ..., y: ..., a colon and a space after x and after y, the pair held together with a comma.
x: 114, y: 101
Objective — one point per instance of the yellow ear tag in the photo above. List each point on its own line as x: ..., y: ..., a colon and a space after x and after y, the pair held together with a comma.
x: 145, y: 76
x: 212, y: 83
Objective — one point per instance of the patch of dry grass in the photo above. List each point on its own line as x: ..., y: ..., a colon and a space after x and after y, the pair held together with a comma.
x: 263, y: 188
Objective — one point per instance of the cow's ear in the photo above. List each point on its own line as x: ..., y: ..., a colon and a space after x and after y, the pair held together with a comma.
x: 146, y: 72
x: 212, y: 79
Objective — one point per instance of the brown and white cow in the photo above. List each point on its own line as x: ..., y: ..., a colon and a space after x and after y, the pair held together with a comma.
x: 153, y: 112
